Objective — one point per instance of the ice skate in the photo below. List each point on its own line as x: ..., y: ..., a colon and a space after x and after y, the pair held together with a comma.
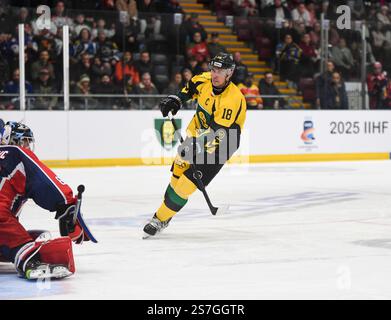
x: 154, y: 227
x: 36, y: 270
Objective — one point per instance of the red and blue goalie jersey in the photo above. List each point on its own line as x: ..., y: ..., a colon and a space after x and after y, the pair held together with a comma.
x: 23, y: 176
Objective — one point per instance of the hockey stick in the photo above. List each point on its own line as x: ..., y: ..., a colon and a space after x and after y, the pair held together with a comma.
x: 79, y: 216
x: 201, y: 185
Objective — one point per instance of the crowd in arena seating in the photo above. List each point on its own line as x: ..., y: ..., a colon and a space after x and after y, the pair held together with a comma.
x: 127, y: 47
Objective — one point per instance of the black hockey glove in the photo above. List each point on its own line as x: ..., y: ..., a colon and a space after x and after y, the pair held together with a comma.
x: 190, y: 148
x: 170, y: 104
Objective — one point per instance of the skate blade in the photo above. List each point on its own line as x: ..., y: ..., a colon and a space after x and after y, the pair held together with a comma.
x: 148, y: 236
x: 56, y: 273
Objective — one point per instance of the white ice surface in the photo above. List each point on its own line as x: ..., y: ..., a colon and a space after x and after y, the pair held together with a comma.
x: 296, y: 231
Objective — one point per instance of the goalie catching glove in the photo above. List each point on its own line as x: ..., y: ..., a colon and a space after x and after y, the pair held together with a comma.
x: 70, y: 225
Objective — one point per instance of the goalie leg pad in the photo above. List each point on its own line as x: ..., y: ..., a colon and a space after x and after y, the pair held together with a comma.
x: 59, y: 251
x: 53, y: 254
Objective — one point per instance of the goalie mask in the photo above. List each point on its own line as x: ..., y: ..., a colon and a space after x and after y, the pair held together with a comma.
x: 18, y: 134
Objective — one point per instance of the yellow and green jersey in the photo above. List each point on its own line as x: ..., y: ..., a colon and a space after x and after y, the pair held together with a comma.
x: 227, y: 109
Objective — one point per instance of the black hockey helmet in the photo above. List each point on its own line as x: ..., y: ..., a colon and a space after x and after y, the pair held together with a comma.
x: 223, y: 61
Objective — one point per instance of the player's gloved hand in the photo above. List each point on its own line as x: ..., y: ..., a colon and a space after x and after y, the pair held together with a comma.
x: 70, y: 225
x: 190, y: 149
x: 169, y: 104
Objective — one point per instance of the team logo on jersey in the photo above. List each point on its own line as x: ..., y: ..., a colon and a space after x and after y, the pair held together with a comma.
x: 308, y: 134
x: 165, y: 132
x: 203, y: 117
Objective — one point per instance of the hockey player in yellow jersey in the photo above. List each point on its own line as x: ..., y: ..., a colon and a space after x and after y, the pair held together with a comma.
x: 212, y: 136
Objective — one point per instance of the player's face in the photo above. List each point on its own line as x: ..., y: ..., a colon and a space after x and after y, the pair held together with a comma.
x: 219, y: 77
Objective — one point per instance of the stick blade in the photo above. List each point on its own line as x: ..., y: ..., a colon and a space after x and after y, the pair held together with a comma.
x: 221, y: 210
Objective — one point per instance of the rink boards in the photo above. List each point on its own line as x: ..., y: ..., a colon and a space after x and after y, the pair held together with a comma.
x: 109, y: 138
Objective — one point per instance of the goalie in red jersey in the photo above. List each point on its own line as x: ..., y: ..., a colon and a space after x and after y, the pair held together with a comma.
x: 23, y: 176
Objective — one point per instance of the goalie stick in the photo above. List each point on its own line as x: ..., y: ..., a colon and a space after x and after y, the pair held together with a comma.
x: 79, y: 216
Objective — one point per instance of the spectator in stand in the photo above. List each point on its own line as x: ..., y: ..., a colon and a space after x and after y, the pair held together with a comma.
x: 175, y: 85
x: 334, y: 36
x: 83, y: 88
x: 187, y: 75
x: 301, y: 14
x: 204, y: 67
x: 45, y: 41
x: 384, y: 16
x: 194, y: 66
x: 358, y: 9
x: 45, y: 85
x: 84, y: 67
x: 356, y: 48
x: 83, y: 45
x: 215, y: 47
x: 315, y: 35
x: 42, y: 63
x: 129, y: 6
x: 289, y: 55
x: 277, y: 11
x: 251, y: 93
x: 377, y: 87
x: 79, y: 25
x: 268, y: 88
x: 309, y: 57
x: 12, y: 87
x: 105, y: 49
x: 343, y: 58
x: 337, y: 98
x: 100, y: 26
x: 241, y: 70
x: 378, y: 40
x: 311, y: 8
x: 245, y: 8
x: 99, y: 69
x: 8, y: 46
x: 147, y: 87
x: 126, y: 70
x: 190, y: 26
x: 23, y: 16
x: 198, y: 48
x: 106, y: 86
x: 301, y: 30
x: 59, y: 17
x: 289, y: 29
x: 322, y: 84
x: 144, y: 65
x: 130, y: 31
x: 150, y: 21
